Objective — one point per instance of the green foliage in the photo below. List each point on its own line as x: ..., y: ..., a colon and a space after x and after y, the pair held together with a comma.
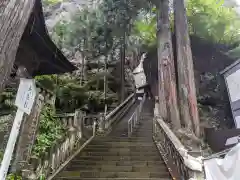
x: 47, y: 81
x: 86, y: 32
x: 50, y: 131
x: 144, y: 30
x: 7, y: 100
x: 234, y: 53
x: 212, y: 21
x: 13, y: 177
x: 50, y: 2
x: 70, y: 97
x: 208, y: 19
x: 1, y: 155
x: 96, y: 31
x: 42, y: 177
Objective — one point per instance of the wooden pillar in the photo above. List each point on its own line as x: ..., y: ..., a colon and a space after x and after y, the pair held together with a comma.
x: 167, y: 65
x: 187, y: 91
x: 14, y: 18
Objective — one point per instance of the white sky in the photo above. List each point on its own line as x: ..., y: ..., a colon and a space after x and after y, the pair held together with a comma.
x: 238, y: 2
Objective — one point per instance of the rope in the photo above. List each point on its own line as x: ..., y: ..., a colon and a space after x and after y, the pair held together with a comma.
x: 216, y: 155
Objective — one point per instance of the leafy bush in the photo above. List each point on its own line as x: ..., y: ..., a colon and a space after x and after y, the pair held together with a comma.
x: 13, y: 177
x: 50, y: 131
x: 47, y: 81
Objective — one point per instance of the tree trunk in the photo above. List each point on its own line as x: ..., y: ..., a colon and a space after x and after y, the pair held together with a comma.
x: 161, y: 82
x: 83, y: 61
x: 166, y: 57
x: 122, y: 67
x: 13, y: 20
x: 187, y: 91
x: 105, y: 85
x: 98, y: 62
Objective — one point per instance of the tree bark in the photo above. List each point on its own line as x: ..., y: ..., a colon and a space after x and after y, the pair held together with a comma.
x: 13, y: 20
x: 166, y: 57
x: 161, y: 82
x: 123, y: 48
x: 187, y: 91
x: 105, y: 84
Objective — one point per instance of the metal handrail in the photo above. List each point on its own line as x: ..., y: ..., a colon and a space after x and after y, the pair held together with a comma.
x: 112, y: 113
x: 105, y: 123
x: 180, y: 163
x: 135, y: 118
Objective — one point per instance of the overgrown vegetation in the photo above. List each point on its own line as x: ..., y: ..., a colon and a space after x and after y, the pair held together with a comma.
x: 50, y: 131
x: 213, y: 21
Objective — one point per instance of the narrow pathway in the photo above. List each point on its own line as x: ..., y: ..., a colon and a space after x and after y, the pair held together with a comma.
x: 118, y: 157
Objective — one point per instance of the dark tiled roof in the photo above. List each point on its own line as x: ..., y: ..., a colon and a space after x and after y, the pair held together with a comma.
x: 37, y: 37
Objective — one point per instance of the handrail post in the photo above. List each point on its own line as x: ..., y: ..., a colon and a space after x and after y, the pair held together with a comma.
x: 129, y: 126
x: 79, y: 118
x: 94, y: 128
x: 101, y: 123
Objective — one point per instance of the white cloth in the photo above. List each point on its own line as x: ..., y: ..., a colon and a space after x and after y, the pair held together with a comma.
x: 224, y: 169
x: 140, y: 91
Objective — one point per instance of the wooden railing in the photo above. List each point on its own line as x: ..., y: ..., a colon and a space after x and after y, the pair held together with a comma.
x: 135, y: 118
x: 78, y: 136
x: 181, y: 165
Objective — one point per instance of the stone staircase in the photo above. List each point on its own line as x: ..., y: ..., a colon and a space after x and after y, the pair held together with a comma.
x: 119, y: 157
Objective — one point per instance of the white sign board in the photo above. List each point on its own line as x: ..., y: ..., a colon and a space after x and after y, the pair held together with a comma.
x: 24, y: 101
x: 233, y: 82
x: 237, y: 121
x: 26, y: 95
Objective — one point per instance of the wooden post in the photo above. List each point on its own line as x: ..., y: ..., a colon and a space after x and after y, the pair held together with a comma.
x: 187, y: 91
x: 167, y: 64
x: 14, y: 18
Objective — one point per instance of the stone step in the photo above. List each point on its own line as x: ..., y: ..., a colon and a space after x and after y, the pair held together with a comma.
x: 118, y: 163
x: 90, y: 174
x: 119, y: 153
x: 121, y: 158
x: 120, y: 149
x: 122, y: 144
x: 112, y: 168
x: 139, y: 178
x: 125, y: 138
x: 118, y: 157
x: 124, y: 141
